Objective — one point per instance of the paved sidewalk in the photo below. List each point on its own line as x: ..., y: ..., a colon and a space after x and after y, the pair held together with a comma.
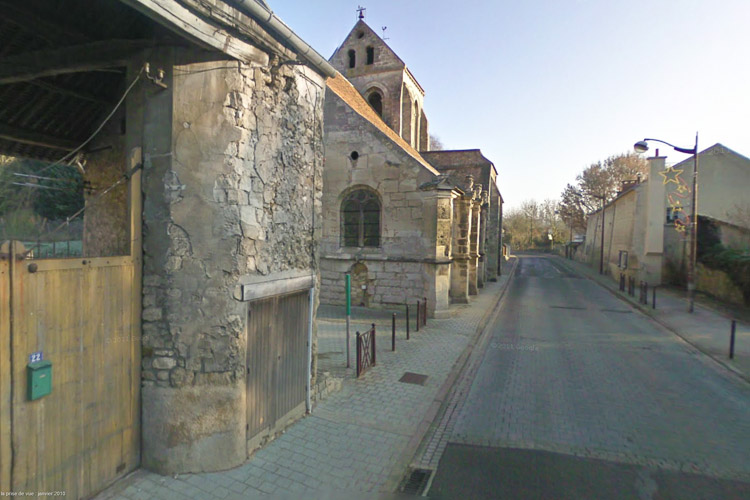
x: 707, y: 328
x: 358, y: 440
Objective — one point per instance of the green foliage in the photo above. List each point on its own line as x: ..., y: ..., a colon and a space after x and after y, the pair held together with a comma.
x: 714, y: 255
x: 52, y: 193
x: 600, y: 179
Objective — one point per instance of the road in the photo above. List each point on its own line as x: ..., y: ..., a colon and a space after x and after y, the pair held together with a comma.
x: 579, y: 396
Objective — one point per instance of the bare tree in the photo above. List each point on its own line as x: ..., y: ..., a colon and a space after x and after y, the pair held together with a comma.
x: 602, y: 179
x: 435, y: 143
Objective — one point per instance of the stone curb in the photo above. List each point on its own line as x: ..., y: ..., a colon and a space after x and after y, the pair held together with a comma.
x: 440, y: 400
x: 648, y: 312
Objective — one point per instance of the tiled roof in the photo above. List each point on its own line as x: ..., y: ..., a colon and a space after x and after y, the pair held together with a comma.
x: 456, y: 158
x: 346, y: 91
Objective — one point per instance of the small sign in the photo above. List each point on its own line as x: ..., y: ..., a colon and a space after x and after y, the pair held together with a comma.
x: 35, y: 357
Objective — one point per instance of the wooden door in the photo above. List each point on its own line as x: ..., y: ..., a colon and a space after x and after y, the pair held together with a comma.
x: 83, y: 316
x: 276, y: 362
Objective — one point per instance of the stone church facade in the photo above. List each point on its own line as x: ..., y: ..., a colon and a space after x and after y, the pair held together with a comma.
x: 406, y: 224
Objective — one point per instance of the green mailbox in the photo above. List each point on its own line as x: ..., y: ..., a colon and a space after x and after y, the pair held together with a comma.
x: 39, y: 379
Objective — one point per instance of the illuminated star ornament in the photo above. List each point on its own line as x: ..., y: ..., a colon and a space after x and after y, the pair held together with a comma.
x: 671, y: 175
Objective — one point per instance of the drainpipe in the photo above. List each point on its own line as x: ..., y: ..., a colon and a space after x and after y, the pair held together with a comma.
x: 308, y: 403
x: 269, y: 20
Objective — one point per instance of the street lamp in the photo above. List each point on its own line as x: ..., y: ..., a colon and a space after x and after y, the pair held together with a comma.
x: 642, y: 147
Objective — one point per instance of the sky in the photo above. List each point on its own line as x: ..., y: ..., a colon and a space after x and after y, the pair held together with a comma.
x: 546, y: 87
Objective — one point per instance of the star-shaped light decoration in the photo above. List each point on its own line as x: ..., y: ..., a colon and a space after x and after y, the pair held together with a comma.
x: 671, y: 174
x: 682, y: 188
x: 680, y: 226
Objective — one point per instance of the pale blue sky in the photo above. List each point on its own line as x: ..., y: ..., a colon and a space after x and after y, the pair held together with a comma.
x: 546, y: 87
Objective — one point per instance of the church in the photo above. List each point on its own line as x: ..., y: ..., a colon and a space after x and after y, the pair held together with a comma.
x: 405, y: 222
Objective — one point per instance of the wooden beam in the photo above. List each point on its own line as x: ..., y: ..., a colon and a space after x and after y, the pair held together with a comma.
x: 73, y: 59
x: 68, y: 91
x: 30, y: 20
x: 14, y: 134
x: 185, y: 23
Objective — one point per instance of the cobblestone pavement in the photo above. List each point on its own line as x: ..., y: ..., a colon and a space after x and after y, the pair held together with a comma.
x: 571, y: 369
x: 358, y: 439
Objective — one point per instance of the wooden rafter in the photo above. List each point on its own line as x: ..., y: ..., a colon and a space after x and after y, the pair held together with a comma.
x: 73, y: 59
x: 14, y: 134
x: 34, y: 22
x: 71, y: 92
x: 210, y: 35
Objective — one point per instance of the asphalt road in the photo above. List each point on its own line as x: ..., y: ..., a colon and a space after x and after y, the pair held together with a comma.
x: 579, y: 396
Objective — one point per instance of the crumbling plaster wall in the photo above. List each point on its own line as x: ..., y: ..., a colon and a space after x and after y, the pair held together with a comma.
x: 231, y: 194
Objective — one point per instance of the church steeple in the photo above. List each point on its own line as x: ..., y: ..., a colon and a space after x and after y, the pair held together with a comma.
x: 376, y: 71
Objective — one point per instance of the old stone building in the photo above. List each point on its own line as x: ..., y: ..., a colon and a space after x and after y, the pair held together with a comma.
x: 183, y: 336
x: 458, y: 164
x: 404, y: 228
x: 646, y: 229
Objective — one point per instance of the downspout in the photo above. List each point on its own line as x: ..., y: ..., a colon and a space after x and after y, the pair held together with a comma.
x: 308, y: 403
x: 269, y: 20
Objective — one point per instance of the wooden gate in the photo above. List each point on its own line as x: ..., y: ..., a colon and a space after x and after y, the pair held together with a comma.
x: 83, y: 315
x: 276, y: 364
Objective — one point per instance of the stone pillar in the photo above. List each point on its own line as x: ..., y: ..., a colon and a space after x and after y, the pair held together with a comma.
x: 492, y: 223
x: 443, y: 252
x: 459, y: 292
x: 656, y: 203
x: 476, y: 221
x: 483, y: 217
x: 193, y: 388
x: 231, y: 183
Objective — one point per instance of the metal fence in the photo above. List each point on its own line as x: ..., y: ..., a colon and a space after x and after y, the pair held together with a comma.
x: 366, y: 357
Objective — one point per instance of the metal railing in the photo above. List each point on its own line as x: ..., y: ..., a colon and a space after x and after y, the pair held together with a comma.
x: 365, y: 350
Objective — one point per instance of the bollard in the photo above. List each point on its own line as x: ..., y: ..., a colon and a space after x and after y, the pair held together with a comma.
x: 407, y: 321
x: 731, y: 339
x: 359, y: 350
x: 393, y: 333
x: 653, y: 297
x: 373, y: 345
x: 425, y: 311
x: 418, y: 314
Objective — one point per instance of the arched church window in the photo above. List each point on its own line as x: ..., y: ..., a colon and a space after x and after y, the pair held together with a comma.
x: 370, y: 55
x: 352, y: 58
x: 376, y: 101
x: 360, y: 219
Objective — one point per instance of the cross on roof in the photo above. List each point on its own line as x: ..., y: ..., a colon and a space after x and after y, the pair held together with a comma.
x: 361, y: 11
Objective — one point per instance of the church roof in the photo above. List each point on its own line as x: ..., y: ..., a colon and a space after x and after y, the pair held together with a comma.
x: 347, y: 93
x: 457, y: 158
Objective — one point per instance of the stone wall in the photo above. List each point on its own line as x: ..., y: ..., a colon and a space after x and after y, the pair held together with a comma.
x: 718, y: 284
x: 388, y: 76
x: 106, y: 220
x: 402, y: 267
x: 231, y: 186
x: 387, y: 282
x: 459, y: 164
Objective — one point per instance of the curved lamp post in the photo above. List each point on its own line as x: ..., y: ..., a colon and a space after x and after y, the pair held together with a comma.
x: 642, y: 147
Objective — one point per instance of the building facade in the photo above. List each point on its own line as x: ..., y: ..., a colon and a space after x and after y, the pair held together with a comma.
x: 404, y: 229
x: 646, y: 230
x: 179, y: 338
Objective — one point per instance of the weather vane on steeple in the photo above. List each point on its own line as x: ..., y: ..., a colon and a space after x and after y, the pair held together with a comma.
x: 361, y: 11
